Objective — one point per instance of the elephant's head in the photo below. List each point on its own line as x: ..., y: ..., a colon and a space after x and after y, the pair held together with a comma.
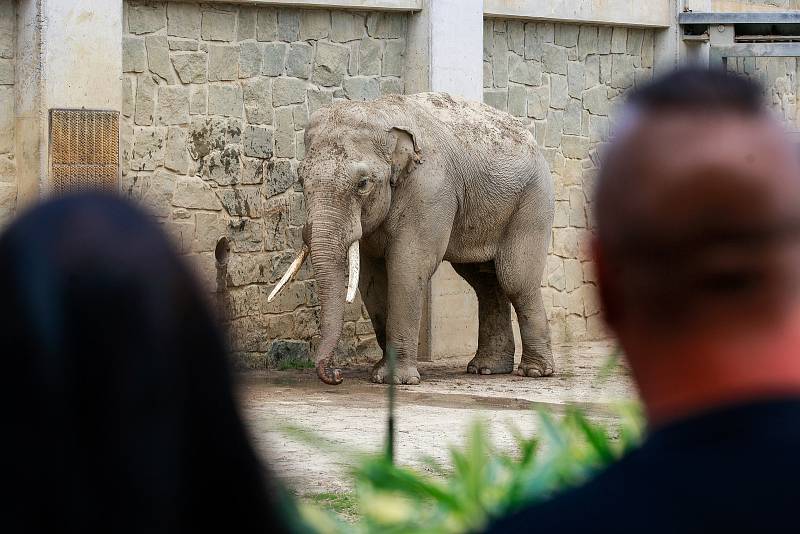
x: 356, y: 155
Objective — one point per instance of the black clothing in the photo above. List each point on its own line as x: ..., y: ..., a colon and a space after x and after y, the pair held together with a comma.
x: 735, y: 469
x: 117, y: 408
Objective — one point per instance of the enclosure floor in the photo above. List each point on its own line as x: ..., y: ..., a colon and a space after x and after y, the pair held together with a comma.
x: 429, y: 417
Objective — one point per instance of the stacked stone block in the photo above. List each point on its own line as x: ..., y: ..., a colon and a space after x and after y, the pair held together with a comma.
x: 564, y: 81
x: 8, y: 181
x: 216, y: 99
x: 779, y: 78
x: 760, y: 5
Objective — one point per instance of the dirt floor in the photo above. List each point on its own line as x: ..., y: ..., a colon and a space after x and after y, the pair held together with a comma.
x: 430, y: 417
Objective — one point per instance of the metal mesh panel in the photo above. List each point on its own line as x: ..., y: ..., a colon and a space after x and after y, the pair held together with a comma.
x: 84, y: 150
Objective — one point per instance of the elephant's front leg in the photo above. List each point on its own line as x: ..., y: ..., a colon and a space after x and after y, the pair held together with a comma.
x: 408, y: 277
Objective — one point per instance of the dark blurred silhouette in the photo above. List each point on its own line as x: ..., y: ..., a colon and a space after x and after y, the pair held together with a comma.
x: 118, y: 413
x: 698, y: 258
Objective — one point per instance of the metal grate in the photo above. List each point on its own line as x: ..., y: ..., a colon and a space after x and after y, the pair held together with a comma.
x: 84, y: 150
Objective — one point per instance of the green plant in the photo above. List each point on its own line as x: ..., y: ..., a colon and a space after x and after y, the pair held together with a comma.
x: 483, y: 482
x: 343, y: 504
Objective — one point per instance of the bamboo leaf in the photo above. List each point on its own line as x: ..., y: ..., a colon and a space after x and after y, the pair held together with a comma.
x: 595, y: 436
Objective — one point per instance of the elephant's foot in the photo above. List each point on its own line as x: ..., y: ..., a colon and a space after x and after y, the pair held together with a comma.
x: 537, y: 366
x: 495, y: 364
x: 404, y: 373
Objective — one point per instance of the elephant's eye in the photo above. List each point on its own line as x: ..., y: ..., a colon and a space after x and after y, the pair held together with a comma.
x: 364, y: 186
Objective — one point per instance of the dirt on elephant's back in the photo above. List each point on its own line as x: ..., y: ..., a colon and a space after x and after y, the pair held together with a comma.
x: 474, y: 122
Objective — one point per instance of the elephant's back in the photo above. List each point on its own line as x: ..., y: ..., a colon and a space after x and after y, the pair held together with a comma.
x: 497, y: 168
x: 474, y: 125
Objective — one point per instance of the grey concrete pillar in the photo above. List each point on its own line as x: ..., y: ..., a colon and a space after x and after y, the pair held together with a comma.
x: 69, y: 55
x: 445, y: 53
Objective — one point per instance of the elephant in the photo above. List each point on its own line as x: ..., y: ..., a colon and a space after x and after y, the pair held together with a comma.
x: 396, y: 185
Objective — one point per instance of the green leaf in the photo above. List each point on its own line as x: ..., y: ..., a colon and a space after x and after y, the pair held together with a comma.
x: 383, y: 475
x: 595, y: 436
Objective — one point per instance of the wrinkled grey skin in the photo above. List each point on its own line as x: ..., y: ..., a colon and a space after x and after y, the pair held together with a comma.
x: 419, y: 179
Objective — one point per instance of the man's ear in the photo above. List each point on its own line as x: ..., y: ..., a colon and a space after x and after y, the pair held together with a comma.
x: 405, y: 154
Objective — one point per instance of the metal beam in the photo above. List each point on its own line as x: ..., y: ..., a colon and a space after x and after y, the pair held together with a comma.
x: 777, y: 17
x: 718, y: 55
x: 759, y: 49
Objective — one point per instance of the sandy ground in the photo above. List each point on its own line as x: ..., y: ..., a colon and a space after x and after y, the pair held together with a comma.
x: 429, y: 417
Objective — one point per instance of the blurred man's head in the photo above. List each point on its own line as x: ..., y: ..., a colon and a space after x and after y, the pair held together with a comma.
x: 698, y: 241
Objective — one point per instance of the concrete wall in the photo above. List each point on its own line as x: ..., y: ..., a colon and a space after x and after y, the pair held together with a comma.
x: 74, y: 77
x: 215, y: 102
x: 564, y: 81
x: 638, y: 13
x: 8, y: 178
x: 382, y: 5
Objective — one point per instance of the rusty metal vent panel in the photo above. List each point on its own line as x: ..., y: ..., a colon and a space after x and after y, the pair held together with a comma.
x: 84, y: 150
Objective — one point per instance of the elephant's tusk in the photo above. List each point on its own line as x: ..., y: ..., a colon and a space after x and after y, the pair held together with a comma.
x: 290, y: 272
x: 354, y: 266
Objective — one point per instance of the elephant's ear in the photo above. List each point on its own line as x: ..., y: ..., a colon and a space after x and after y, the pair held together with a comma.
x: 405, y: 154
x: 316, y: 125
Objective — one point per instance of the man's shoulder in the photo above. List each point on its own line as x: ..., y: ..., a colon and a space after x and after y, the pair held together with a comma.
x: 731, y: 467
x: 591, y: 506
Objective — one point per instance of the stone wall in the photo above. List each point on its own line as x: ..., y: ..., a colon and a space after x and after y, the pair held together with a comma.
x: 564, y: 81
x: 746, y: 5
x: 779, y: 77
x: 215, y: 102
x: 8, y: 183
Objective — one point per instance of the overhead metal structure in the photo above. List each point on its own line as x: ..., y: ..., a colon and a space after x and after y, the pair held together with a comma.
x: 777, y: 17
x: 770, y: 34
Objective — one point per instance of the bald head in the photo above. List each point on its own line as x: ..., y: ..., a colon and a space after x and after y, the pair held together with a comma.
x: 698, y: 208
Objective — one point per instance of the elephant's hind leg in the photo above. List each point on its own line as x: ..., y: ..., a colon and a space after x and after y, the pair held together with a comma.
x: 520, y: 263
x: 495, y: 354
x: 537, y: 353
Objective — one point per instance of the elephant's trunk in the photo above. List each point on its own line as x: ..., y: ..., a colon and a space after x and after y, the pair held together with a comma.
x: 333, y: 260
x: 329, y: 272
x: 332, y: 263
